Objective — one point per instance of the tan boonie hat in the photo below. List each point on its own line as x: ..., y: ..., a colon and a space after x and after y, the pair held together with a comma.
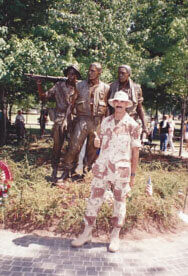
x: 120, y: 96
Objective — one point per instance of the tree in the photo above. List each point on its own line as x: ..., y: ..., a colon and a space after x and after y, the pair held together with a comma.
x: 45, y: 36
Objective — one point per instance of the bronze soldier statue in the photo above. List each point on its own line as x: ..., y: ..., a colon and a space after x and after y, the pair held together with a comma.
x: 91, y: 108
x: 134, y: 92
x: 64, y: 94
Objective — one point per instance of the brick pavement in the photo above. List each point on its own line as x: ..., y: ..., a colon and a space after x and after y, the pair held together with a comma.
x: 32, y: 255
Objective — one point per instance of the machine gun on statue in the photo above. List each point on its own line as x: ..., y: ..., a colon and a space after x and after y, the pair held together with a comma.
x: 45, y: 78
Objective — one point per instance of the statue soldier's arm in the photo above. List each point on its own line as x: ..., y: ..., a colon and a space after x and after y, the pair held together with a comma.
x: 48, y: 94
x: 40, y: 89
x: 140, y: 111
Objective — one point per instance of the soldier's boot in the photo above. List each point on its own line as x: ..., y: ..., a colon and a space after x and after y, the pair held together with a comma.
x: 114, y: 240
x: 63, y: 177
x: 76, y: 176
x: 85, y: 237
x: 54, y: 174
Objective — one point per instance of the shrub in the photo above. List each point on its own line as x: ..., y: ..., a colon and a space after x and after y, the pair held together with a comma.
x: 34, y: 204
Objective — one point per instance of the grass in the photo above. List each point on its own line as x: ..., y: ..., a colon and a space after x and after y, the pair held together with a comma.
x: 34, y: 204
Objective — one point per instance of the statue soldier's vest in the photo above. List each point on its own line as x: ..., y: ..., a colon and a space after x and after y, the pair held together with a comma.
x: 91, y: 101
x: 134, y: 92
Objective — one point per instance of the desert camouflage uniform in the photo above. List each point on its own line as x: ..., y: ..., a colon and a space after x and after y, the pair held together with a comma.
x: 63, y: 96
x: 113, y: 167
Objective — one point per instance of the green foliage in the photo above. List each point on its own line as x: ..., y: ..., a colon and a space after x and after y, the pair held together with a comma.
x: 160, y: 33
x: 45, y: 36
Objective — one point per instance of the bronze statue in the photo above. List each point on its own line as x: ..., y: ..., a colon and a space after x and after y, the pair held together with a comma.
x: 64, y: 94
x: 134, y: 92
x: 91, y: 108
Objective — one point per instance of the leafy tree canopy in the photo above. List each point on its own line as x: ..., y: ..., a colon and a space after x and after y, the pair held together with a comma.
x: 44, y: 36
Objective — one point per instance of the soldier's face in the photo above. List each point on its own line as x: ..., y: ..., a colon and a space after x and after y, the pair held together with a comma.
x: 123, y: 75
x: 120, y: 106
x: 93, y: 73
x: 71, y: 75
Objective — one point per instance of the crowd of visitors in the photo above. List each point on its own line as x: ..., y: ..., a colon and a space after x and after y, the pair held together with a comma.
x: 164, y: 130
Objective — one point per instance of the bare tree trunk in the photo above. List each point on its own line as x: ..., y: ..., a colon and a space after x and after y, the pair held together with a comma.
x: 10, y: 112
x: 156, y: 111
x: 182, y: 125
x: 3, y: 125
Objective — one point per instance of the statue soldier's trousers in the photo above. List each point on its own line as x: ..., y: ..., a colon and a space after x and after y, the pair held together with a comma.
x: 58, y: 135
x: 84, y: 127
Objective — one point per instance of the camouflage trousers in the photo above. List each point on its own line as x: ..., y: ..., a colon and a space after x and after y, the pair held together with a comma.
x: 101, y: 182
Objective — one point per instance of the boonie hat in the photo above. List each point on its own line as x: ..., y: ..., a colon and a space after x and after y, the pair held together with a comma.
x: 73, y: 66
x: 120, y: 96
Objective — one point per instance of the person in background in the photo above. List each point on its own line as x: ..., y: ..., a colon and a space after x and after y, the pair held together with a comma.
x: 20, y: 126
x: 151, y: 130
x: 43, y: 120
x: 185, y: 131
x: 119, y: 140
x: 171, y: 133
x: 163, y: 131
x: 155, y: 128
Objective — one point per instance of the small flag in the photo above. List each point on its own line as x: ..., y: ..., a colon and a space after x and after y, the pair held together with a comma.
x: 149, y: 188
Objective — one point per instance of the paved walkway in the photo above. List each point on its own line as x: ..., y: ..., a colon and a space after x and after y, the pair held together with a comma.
x: 32, y: 255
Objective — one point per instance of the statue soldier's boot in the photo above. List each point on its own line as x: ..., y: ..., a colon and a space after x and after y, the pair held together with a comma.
x: 64, y: 176
x: 85, y: 237
x: 54, y: 174
x: 114, y: 240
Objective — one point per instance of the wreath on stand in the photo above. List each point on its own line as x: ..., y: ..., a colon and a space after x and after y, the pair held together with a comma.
x: 5, y: 178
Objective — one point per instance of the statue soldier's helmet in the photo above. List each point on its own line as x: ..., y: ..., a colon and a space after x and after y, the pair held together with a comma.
x: 127, y: 68
x: 75, y: 67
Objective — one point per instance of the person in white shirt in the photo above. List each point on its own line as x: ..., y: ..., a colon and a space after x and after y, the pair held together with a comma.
x: 171, y: 133
x: 20, y: 125
x: 151, y: 130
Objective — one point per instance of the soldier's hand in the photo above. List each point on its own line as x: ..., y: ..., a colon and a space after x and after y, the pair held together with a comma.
x: 145, y: 130
x: 132, y: 181
x: 97, y: 141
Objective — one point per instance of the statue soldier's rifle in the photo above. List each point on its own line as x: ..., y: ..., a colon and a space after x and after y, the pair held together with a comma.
x: 46, y: 78
x: 69, y: 111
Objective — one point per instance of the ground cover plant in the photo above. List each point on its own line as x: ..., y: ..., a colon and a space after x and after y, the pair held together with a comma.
x: 34, y: 204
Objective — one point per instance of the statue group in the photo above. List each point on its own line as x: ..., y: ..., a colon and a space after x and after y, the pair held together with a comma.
x: 87, y: 101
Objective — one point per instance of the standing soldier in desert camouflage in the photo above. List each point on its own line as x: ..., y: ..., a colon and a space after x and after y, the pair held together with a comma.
x: 119, y: 140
